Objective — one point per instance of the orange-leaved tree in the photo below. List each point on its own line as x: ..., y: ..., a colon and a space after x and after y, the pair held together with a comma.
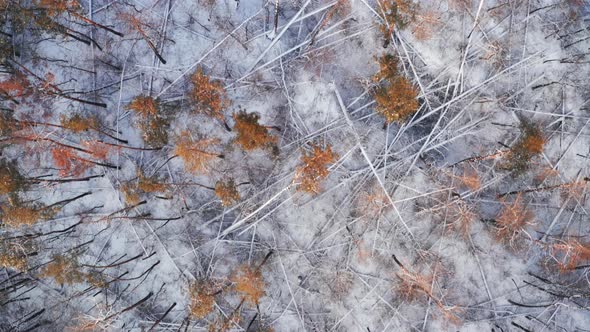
x: 25, y: 213
x: 70, y: 163
x: 512, y: 221
x: 570, y: 253
x: 78, y: 123
x: 11, y: 179
x: 17, y: 214
x: 144, y: 106
x: 13, y: 255
x: 15, y: 86
x: 396, y: 14
x: 227, y: 192
x: 341, y: 9
x: 530, y: 144
x: 413, y: 285
x: 71, y: 7
x: 64, y: 270
x: 195, y: 153
x: 395, y: 96
x: 251, y: 134
x: 136, y: 24
x: 209, y: 96
x: 314, y: 168
x: 249, y: 283
x: 142, y: 184
x: 202, y: 295
x: 152, y: 123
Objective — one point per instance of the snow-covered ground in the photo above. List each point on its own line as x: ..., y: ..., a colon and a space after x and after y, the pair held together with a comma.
x: 404, y: 234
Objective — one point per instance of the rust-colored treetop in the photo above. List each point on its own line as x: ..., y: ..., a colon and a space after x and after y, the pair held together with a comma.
x: 227, y: 192
x: 530, y: 144
x: 396, y: 14
x: 151, y: 122
x: 513, y: 220
x: 396, y: 96
x: 64, y: 270
x: 15, y: 86
x: 10, y: 178
x: 56, y: 7
x: 202, y: 295
x: 252, y: 135
x: 397, y: 102
x: 150, y: 184
x: 20, y: 215
x: 154, y: 131
x: 314, y: 168
x: 388, y: 70
x: 13, y: 256
x: 570, y: 253
x: 208, y: 94
x: 78, y: 123
x: 7, y: 123
x: 68, y: 162
x: 144, y: 106
x: 195, y: 153
x: 249, y: 283
x: 133, y: 189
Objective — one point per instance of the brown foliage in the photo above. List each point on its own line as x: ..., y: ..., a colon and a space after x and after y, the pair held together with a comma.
x: 425, y: 25
x: 340, y: 283
x: 249, y: 283
x: 154, y: 131
x: 461, y: 216
x: 570, y: 253
x: 227, y: 192
x: 224, y: 324
x: 64, y: 270
x: 98, y: 150
x: 575, y: 191
x: 340, y: 9
x: 10, y: 178
x: 16, y: 215
x: 397, y: 14
x: 78, y: 123
x: 133, y: 190
x: 150, y: 184
x: 15, y: 86
x: 13, y: 256
x: 202, y: 293
x: 388, y: 70
x: 68, y: 162
x: 7, y: 123
x: 208, y: 94
x: 397, y: 101
x: 131, y: 193
x: 495, y: 53
x: 413, y: 285
x: 530, y: 144
x: 396, y: 97
x: 144, y: 106
x: 56, y: 7
x: 152, y: 123
x: 10, y: 261
x: 194, y: 153
x: 542, y: 174
x: 373, y: 202
x: 512, y: 221
x: 470, y: 179
x: 252, y: 135
x: 314, y: 168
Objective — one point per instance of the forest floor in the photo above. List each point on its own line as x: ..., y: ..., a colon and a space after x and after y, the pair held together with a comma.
x: 295, y: 165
